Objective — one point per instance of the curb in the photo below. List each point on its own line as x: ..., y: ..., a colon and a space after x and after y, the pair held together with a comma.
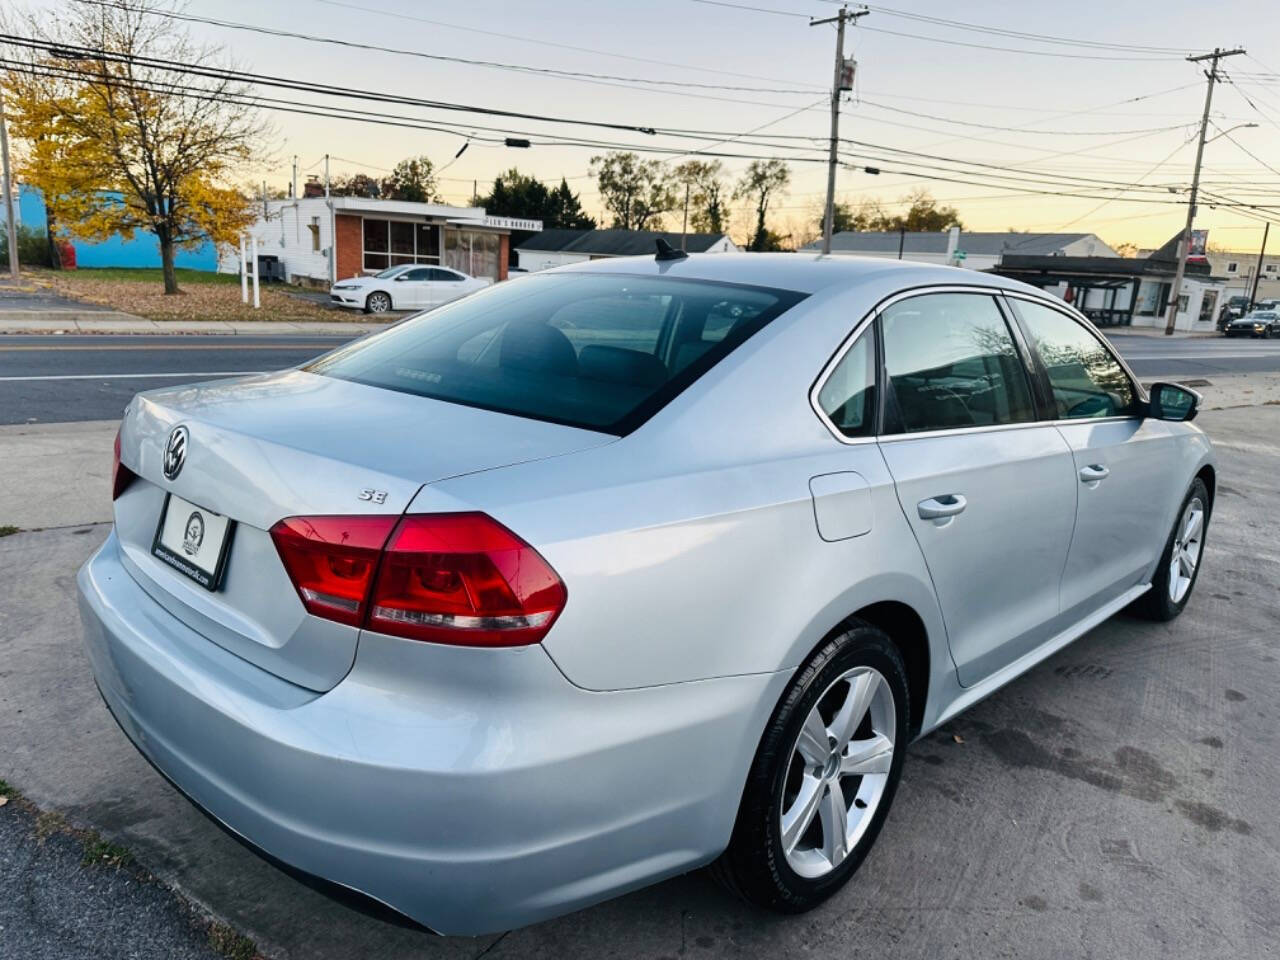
x: 83, y: 322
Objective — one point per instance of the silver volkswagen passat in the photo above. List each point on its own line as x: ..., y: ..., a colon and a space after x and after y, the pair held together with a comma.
x: 625, y: 569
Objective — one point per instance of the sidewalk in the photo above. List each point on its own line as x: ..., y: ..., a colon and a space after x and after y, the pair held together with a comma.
x: 1156, y: 332
x: 110, y: 321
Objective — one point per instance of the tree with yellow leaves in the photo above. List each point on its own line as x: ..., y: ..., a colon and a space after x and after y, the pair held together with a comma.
x: 118, y: 133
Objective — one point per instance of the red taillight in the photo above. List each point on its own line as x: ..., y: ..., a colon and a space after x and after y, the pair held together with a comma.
x: 331, y: 561
x: 463, y: 578
x: 121, y: 476
x: 459, y: 578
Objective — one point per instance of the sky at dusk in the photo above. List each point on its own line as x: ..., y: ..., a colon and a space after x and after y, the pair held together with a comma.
x: 1098, y: 113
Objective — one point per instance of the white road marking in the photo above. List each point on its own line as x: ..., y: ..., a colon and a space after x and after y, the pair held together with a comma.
x: 136, y: 376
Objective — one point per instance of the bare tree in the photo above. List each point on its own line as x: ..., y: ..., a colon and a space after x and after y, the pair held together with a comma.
x: 763, y: 181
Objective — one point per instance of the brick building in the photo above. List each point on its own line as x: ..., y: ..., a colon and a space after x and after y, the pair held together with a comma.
x: 322, y: 239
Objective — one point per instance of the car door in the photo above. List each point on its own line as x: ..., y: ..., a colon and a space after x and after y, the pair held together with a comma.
x: 987, y: 487
x: 446, y: 285
x: 412, y: 289
x: 1126, y: 491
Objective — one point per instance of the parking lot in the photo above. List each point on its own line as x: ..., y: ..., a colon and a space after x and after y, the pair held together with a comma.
x: 1117, y: 801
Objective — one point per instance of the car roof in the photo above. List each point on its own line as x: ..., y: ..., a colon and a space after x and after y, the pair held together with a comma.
x: 801, y: 272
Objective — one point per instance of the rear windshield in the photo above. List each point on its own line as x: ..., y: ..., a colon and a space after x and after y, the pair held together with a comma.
x: 593, y: 350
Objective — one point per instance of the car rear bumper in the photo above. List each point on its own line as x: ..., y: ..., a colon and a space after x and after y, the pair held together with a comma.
x: 472, y: 790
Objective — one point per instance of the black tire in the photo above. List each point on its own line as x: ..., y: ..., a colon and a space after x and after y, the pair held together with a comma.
x: 754, y: 866
x: 378, y: 302
x: 1157, y: 603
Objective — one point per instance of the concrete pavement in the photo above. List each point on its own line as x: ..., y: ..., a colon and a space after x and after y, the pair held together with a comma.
x: 1117, y: 801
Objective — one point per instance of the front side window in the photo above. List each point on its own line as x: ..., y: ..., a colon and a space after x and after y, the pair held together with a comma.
x: 599, y: 351
x: 1087, y: 380
x: 845, y: 396
x: 952, y: 363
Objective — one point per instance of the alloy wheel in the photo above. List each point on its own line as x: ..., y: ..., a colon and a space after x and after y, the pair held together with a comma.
x: 1187, y: 541
x: 379, y: 303
x: 838, y: 770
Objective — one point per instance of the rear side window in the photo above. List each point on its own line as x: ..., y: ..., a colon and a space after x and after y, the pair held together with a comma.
x: 846, y: 395
x: 952, y: 363
x: 1086, y: 379
x: 593, y: 350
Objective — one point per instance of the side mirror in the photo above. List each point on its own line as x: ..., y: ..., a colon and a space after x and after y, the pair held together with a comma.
x: 401, y: 277
x: 1172, y: 401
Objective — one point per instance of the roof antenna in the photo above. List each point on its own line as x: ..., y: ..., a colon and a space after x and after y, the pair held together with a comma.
x: 667, y: 252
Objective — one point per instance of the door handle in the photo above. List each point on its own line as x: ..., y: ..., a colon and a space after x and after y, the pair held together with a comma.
x: 1094, y: 473
x: 942, y: 509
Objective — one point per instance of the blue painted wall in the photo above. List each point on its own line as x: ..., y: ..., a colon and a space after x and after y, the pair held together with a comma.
x: 142, y: 251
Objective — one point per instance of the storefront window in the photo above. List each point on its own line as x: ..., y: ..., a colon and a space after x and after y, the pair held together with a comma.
x: 393, y: 242
x: 474, y: 252
x: 375, y: 244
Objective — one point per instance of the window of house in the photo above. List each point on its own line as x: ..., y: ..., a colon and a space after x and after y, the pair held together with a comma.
x: 393, y: 242
x: 1087, y: 380
x: 1271, y: 268
x: 846, y: 395
x: 952, y: 363
x: 314, y: 227
x: 1233, y: 266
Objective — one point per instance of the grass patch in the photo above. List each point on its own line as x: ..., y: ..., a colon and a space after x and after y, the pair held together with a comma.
x: 8, y: 791
x: 156, y: 275
x: 232, y: 945
x: 48, y: 823
x: 103, y: 853
x: 8, y: 530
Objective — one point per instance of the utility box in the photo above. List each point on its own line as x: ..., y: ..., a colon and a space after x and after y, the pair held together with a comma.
x: 270, y: 268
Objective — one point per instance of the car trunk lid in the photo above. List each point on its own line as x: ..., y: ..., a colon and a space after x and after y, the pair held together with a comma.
x: 264, y: 448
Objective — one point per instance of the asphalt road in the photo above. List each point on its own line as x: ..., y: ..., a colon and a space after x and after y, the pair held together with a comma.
x: 52, y: 379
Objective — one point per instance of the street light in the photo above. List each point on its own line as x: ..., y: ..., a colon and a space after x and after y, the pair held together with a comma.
x: 1223, y: 133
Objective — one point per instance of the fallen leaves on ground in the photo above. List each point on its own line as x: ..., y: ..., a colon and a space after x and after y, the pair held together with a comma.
x: 216, y: 300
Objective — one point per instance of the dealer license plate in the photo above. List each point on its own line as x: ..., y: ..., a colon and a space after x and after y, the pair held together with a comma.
x: 194, y: 541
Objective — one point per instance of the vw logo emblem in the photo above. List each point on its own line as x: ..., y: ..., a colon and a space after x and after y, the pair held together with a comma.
x: 175, y: 452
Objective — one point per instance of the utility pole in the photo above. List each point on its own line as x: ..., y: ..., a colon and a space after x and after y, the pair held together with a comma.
x: 842, y: 81
x: 326, y: 176
x: 293, y: 189
x: 11, y: 226
x: 1257, y: 275
x: 684, y: 226
x: 1184, y: 244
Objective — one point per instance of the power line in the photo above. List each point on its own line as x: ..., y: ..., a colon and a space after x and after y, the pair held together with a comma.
x: 1023, y: 35
x: 1018, y: 50
x: 1039, y: 133
x: 397, y: 120
x: 947, y: 175
x: 75, y: 52
x: 609, y: 79
x: 1092, y: 211
x: 542, y: 43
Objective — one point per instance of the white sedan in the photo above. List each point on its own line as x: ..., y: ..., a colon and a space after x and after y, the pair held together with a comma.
x: 405, y: 287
